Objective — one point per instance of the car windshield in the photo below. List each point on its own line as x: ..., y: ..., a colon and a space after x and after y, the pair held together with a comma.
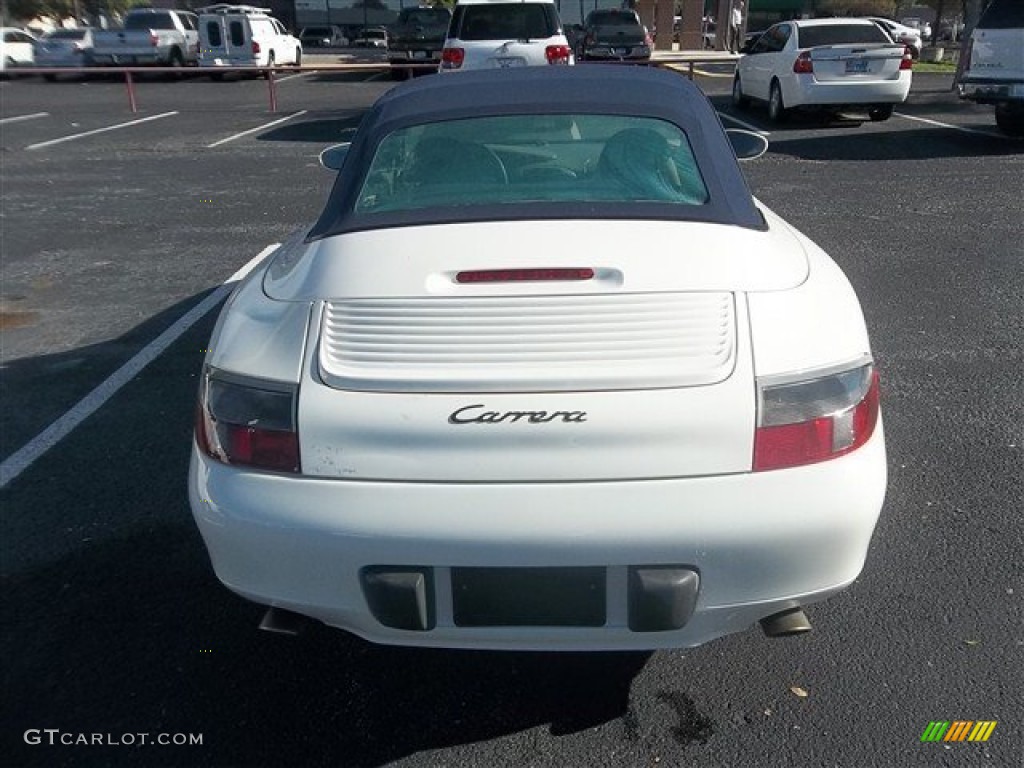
x: 149, y: 21
x: 507, y: 21
x: 426, y: 16
x: 66, y: 34
x: 529, y: 159
x: 840, y: 34
x: 611, y: 19
x: 1003, y: 14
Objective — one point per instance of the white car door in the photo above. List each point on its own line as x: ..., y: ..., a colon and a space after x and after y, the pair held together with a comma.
x: 764, y: 61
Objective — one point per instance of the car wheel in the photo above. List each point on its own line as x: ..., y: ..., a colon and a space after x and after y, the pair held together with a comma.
x: 738, y: 99
x: 777, y: 111
x: 399, y: 73
x: 880, y: 113
x: 176, y: 61
x: 50, y: 78
x: 217, y: 76
x: 1010, y: 120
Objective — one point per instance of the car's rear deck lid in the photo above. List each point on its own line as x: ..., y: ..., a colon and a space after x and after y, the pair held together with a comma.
x: 529, y: 343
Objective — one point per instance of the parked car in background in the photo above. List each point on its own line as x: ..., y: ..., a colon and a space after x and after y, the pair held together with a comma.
x: 244, y: 36
x: 899, y: 33
x: 834, y: 65
x: 64, y: 48
x: 150, y: 37
x: 614, y: 34
x: 915, y: 22
x: 993, y: 72
x: 417, y: 37
x: 663, y: 434
x: 323, y: 37
x: 17, y: 49
x: 371, y: 37
x: 503, y: 35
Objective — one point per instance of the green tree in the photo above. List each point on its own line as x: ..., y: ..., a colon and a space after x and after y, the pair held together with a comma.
x: 856, y: 7
x: 23, y: 10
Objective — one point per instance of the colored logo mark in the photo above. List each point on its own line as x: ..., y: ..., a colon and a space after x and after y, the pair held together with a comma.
x: 958, y: 730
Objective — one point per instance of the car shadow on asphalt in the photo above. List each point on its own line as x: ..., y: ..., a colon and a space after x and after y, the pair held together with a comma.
x: 925, y: 143
x: 324, y: 130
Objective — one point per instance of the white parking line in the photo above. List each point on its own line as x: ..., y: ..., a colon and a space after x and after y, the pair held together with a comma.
x: 25, y: 456
x: 74, y: 136
x: 742, y: 124
x: 19, y: 118
x: 286, y: 78
x: 962, y: 128
x: 254, y: 130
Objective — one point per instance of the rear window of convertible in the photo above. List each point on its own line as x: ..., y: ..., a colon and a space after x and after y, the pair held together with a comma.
x: 530, y: 159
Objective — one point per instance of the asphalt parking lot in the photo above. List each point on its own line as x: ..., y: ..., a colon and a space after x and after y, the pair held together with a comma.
x: 116, y: 226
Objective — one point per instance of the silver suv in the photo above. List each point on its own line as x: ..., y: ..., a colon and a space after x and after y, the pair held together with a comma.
x: 994, y: 70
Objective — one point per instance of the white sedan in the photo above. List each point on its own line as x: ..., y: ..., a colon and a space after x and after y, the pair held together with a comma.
x: 831, y: 64
x: 899, y: 33
x: 543, y: 375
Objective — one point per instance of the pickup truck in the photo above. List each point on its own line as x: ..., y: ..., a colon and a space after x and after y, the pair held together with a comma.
x: 150, y: 37
x: 993, y: 67
x: 417, y: 37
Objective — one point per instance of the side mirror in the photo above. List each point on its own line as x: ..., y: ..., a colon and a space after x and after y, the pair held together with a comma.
x: 333, y: 158
x: 746, y: 144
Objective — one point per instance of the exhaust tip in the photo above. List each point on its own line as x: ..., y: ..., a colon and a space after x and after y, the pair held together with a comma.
x: 282, y: 622
x: 792, y: 621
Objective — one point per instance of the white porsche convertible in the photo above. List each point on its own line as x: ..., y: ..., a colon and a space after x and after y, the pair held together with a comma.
x: 543, y: 375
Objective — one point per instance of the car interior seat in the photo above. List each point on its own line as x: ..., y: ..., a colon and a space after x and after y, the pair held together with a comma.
x: 639, y: 161
x: 442, y: 160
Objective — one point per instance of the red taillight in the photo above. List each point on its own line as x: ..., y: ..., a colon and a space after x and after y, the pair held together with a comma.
x: 815, y: 420
x: 907, y: 62
x: 255, y: 48
x: 803, y: 64
x: 249, y: 422
x: 524, y: 275
x: 452, y: 58
x: 558, y: 54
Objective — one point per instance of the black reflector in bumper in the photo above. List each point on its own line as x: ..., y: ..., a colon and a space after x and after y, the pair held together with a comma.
x: 661, y: 597
x: 400, y: 597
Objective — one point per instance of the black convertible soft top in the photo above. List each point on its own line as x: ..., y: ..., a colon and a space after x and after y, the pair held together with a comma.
x: 591, y: 89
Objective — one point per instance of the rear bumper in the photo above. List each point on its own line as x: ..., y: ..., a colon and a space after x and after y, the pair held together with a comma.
x: 760, y: 543
x: 606, y: 53
x: 222, y: 63
x: 424, y: 55
x: 804, y: 90
x: 128, y: 59
x: 991, y: 91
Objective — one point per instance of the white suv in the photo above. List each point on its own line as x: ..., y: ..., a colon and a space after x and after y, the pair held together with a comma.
x: 244, y: 36
x: 994, y: 69
x: 497, y: 34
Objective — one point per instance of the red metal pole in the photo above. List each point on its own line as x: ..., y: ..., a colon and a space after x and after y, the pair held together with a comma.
x: 131, y: 90
x: 273, y: 90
